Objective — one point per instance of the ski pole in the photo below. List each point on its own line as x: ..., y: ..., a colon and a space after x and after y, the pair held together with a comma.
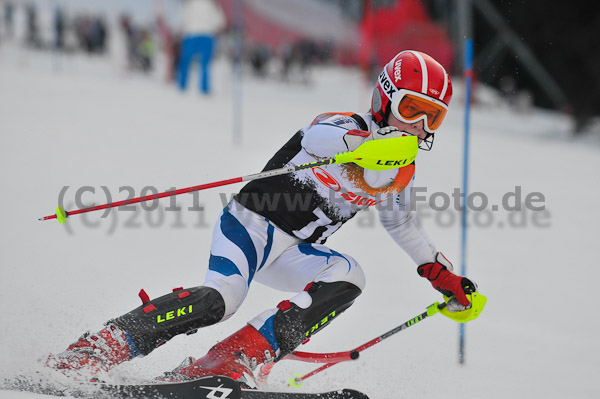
x: 375, y: 154
x: 331, y: 359
x: 448, y: 309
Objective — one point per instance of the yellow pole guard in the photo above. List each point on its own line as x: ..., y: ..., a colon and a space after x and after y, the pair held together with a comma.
x: 391, y: 153
x: 478, y: 302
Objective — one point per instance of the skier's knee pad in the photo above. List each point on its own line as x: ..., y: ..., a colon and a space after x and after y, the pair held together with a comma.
x: 180, y: 312
x: 343, y: 268
x: 311, y: 310
x: 233, y: 289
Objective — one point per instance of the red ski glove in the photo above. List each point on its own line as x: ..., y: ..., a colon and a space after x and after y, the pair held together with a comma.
x: 439, y: 273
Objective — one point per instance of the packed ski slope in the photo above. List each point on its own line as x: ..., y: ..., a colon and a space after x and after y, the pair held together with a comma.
x: 86, y: 122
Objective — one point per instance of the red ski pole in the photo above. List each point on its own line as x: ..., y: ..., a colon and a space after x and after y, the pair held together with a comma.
x: 61, y: 214
x: 376, y: 154
x: 331, y: 359
x: 476, y: 299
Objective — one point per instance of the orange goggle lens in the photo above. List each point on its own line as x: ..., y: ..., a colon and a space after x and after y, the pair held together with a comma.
x: 412, y: 108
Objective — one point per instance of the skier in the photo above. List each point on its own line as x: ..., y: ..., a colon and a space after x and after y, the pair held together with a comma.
x: 273, y: 232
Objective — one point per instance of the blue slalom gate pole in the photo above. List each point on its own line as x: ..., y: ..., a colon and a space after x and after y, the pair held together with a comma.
x: 238, y: 29
x: 463, y: 267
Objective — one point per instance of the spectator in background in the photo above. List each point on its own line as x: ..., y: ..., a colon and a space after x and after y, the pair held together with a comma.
x: 202, y: 20
x: 98, y: 33
x: 129, y: 34
x: 91, y: 33
x: 170, y: 41
x: 259, y: 56
x: 145, y: 50
x: 140, y: 45
x: 59, y: 28
x: 9, y: 13
x: 175, y: 55
x: 297, y: 60
x: 33, y: 31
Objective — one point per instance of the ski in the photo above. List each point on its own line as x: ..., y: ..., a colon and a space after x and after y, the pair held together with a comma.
x: 340, y: 394
x: 217, y: 387
x: 210, y: 388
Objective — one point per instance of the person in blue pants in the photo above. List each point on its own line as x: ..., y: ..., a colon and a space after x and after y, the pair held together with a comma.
x: 201, y: 47
x: 202, y: 21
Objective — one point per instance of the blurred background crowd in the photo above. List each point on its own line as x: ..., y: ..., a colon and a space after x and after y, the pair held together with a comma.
x: 534, y: 54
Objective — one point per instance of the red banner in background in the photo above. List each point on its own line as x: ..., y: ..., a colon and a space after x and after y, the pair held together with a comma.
x: 403, y: 26
x: 373, y: 41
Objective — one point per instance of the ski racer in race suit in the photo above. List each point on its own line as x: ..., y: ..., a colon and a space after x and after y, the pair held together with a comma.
x: 274, y: 230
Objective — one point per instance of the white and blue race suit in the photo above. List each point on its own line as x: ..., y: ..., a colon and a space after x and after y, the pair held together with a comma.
x: 274, y: 229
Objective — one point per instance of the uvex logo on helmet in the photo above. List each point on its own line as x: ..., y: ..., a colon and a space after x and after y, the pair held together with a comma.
x: 386, y: 84
x: 411, y: 70
x: 326, y: 179
x: 398, y: 70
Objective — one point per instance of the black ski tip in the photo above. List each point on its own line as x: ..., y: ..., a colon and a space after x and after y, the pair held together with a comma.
x: 339, y: 394
x: 355, y: 394
x: 345, y: 394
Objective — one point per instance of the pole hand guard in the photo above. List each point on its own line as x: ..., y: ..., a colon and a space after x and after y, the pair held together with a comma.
x: 461, y: 314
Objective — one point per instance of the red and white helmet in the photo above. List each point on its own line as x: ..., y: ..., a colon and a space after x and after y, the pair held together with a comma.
x: 412, y: 86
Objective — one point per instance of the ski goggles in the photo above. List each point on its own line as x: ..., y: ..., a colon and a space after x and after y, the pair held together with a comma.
x: 410, y: 106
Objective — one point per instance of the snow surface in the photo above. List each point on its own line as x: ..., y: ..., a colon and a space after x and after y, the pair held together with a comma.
x: 77, y: 122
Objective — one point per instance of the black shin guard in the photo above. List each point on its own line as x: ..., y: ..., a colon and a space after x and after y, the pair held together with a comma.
x: 293, y: 325
x: 180, y: 312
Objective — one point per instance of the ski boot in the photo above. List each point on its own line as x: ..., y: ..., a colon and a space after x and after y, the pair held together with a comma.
x: 271, y: 335
x: 236, y: 357
x: 94, y: 353
x: 140, y: 331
